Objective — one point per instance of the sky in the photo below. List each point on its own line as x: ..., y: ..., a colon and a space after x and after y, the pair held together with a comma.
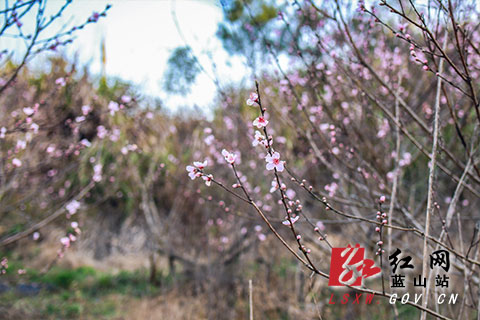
x: 139, y: 37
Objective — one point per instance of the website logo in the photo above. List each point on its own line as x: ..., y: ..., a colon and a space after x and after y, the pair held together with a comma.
x: 348, y: 266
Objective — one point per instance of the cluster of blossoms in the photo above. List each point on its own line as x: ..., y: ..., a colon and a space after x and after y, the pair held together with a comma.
x: 294, y: 219
x: 196, y: 171
x: 260, y: 139
x: 230, y: 157
x: 70, y: 238
x: 97, y: 172
x: 32, y: 129
x: 3, y: 265
x: 72, y: 207
x: 423, y: 62
x: 294, y: 209
x: 273, y: 158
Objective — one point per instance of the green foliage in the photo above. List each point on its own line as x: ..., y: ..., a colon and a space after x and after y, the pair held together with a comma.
x: 80, y: 293
x: 181, y: 72
x: 64, y: 278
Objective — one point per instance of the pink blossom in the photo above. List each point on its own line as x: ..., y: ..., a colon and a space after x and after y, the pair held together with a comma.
x: 34, y: 127
x: 36, y: 236
x: 200, y: 165
x: 113, y: 107
x: 229, y: 157
x: 273, y: 162
x: 65, y: 241
x: 85, y: 143
x: 21, y: 144
x: 260, y: 122
x: 101, y: 132
x: 61, y: 82
x: 28, y: 111
x: 126, y: 99
x: 3, y: 131
x: 320, y: 225
x: 208, y: 179
x: 95, y: 16
x: 97, y: 173
x: 274, y: 186
x: 287, y: 222
x: 115, y: 134
x: 80, y: 119
x: 331, y: 188
x: 252, y: 99
x: 290, y: 194
x: 16, y: 162
x: 259, y: 138
x: 86, y: 110
x: 193, y: 172
x: 406, y: 159
x: 382, y: 199
x: 73, y: 207
x: 209, y: 139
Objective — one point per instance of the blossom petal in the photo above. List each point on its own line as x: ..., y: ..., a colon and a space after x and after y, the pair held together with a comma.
x: 280, y: 167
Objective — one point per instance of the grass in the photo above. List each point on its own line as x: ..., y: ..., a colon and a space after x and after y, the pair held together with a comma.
x: 85, y: 293
x: 76, y: 293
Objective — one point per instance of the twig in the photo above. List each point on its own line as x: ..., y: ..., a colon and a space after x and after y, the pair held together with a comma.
x: 431, y: 181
